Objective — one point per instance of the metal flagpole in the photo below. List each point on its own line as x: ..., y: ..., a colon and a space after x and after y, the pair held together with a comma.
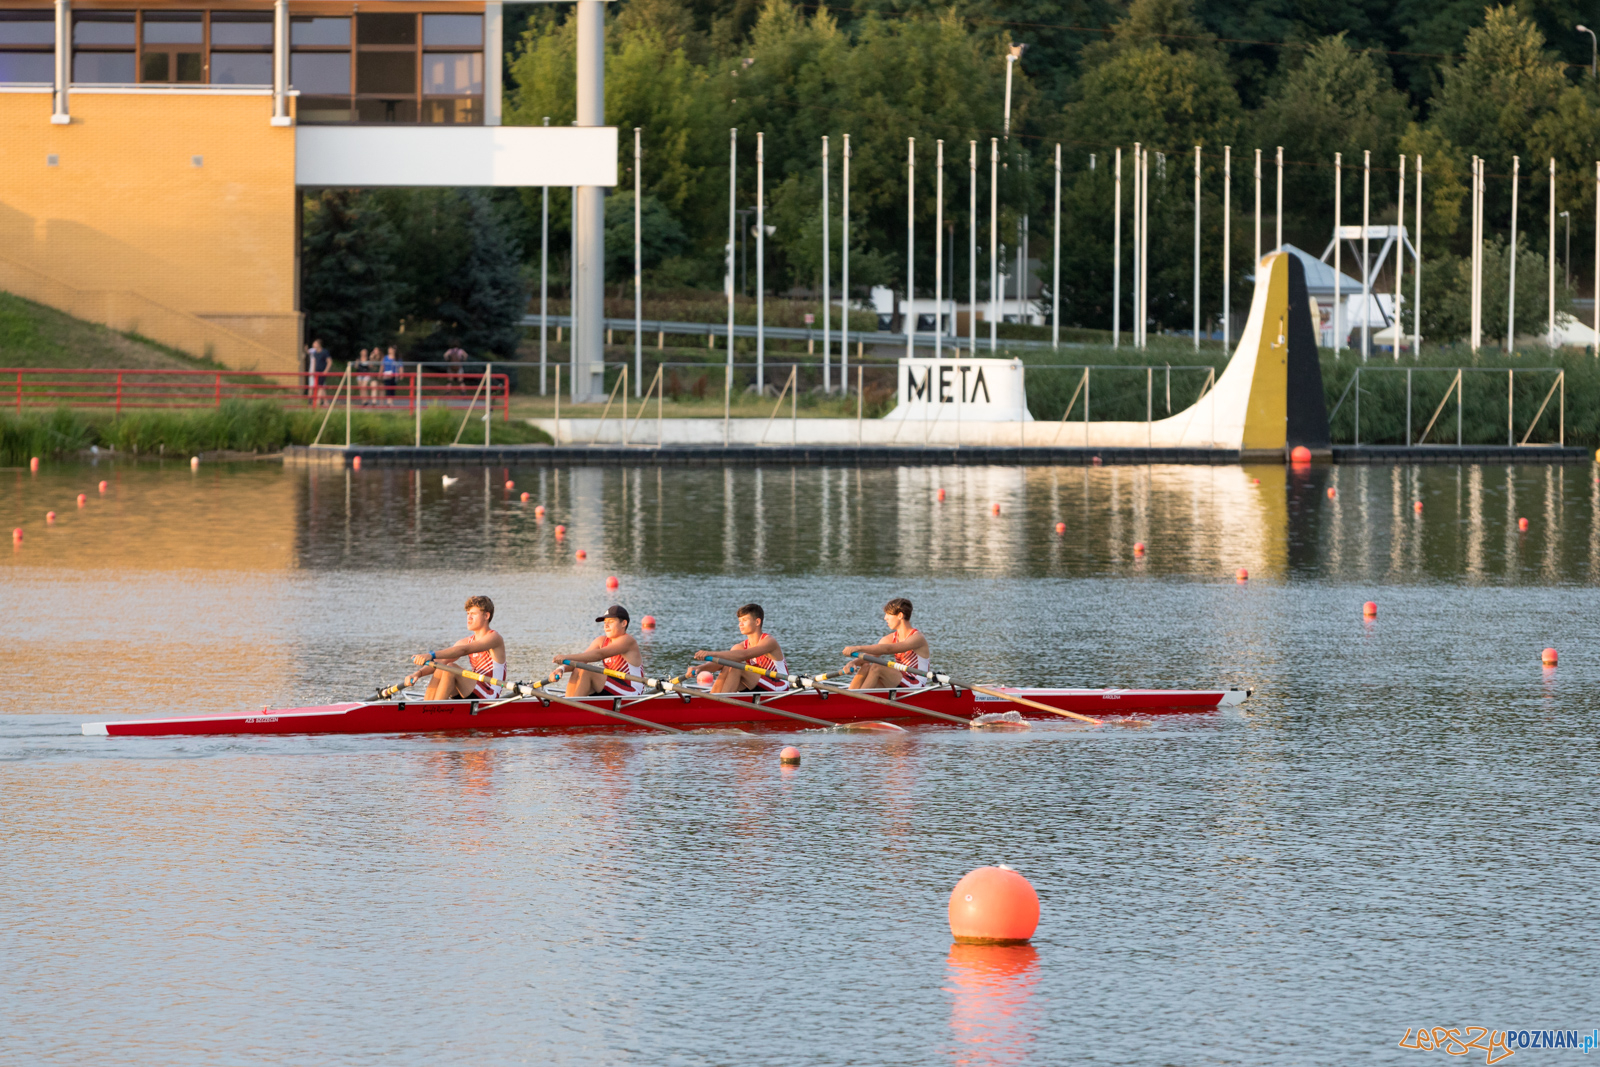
x: 827, y: 297
x: 1511, y: 273
x: 1278, y: 241
x: 638, y: 271
x: 844, y: 279
x: 1256, y: 260
x: 761, y: 266
x: 544, y: 286
x: 1366, y: 270
x: 1477, y: 177
x: 1197, y: 248
x: 994, y: 235
x: 1552, y: 334
x: 1144, y: 255
x: 733, y: 175
x: 1338, y: 249
x: 1055, y: 278
x: 1116, y: 259
x: 1227, y: 242
x: 938, y: 250
x: 1399, y: 255
x: 1596, y: 351
x: 1416, y: 279
x: 911, y: 245
x: 972, y: 248
x: 1138, y: 220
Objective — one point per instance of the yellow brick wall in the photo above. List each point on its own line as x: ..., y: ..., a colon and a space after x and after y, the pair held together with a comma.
x: 199, y: 257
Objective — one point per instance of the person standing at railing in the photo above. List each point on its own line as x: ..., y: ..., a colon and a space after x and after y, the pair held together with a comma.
x: 389, y: 373
x: 366, y: 383
x: 456, y: 356
x: 317, y: 361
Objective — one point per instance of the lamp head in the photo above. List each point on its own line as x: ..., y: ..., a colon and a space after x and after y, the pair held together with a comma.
x: 1017, y: 50
x: 1584, y: 29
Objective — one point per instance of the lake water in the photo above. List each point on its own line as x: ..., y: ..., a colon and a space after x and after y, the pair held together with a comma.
x: 1397, y: 830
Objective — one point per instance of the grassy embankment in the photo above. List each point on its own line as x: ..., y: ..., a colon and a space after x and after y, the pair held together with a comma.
x: 36, y: 336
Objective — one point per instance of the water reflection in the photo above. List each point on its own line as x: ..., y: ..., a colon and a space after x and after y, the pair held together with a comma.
x: 993, y: 1019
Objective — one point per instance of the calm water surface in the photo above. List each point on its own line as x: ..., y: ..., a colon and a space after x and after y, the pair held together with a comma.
x: 1397, y: 830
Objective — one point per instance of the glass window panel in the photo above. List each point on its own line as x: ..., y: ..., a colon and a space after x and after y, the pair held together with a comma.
x: 386, y: 72
x: 320, y: 72
x: 27, y: 27
x: 103, y: 27
x: 173, y: 27
x: 312, y: 30
x: 155, y: 67
x: 322, y: 109
x: 452, y: 112
x: 189, y: 68
x: 386, y: 110
x: 241, y: 68
x: 452, y: 73
x: 27, y: 67
x: 241, y: 28
x: 113, y: 68
x: 386, y: 29
x: 446, y: 30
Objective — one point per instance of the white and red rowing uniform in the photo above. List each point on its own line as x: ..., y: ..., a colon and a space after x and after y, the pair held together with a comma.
x: 619, y: 687
x: 771, y: 685
x: 483, y: 663
x: 910, y: 659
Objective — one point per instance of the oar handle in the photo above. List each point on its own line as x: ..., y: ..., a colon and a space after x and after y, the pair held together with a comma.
x: 896, y: 665
x: 649, y: 683
x: 765, y: 672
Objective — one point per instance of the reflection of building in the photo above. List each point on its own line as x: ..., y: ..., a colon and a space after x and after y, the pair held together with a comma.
x: 151, y: 153
x: 892, y: 307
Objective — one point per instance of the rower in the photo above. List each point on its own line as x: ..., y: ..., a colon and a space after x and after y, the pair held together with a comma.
x: 904, y: 642
x: 757, y: 649
x: 485, y: 649
x: 616, y: 649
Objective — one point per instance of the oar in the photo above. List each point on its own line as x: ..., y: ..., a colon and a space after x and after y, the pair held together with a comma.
x: 945, y: 679
x: 673, y: 685
x: 530, y: 691
x: 816, y: 683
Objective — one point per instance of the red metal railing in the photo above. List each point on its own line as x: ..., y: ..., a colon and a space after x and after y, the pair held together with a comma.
x: 118, y: 389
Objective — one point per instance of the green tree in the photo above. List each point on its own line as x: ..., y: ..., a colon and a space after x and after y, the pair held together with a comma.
x: 481, y: 304
x: 660, y: 235
x: 1489, y: 101
x: 348, y: 286
x: 1447, y: 295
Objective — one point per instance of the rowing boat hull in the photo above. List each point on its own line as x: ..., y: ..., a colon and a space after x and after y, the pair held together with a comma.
x: 428, y: 716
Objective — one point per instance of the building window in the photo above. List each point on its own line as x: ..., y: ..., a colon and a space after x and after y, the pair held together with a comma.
x: 241, y: 48
x: 27, y: 47
x: 319, y: 67
x: 103, y: 44
x: 173, y: 46
x: 386, y: 67
x: 452, y: 69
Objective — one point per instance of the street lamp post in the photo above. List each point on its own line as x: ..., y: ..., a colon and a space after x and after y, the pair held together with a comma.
x: 1594, y: 49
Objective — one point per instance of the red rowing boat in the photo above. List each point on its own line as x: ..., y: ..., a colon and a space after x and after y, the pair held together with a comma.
x: 670, y: 709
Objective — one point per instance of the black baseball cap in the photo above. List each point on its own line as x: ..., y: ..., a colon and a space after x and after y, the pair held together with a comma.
x: 615, y: 611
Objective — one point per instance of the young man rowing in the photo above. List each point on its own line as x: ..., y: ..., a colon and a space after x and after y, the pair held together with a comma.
x: 486, y: 651
x: 615, y: 649
x: 757, y: 649
x: 904, y: 642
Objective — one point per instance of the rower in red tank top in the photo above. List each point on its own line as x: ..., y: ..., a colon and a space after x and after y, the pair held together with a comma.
x: 615, y: 649
x: 757, y: 649
x: 904, y: 643
x: 486, y: 651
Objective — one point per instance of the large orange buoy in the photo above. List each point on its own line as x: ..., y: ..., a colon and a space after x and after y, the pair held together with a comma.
x: 194, y: 463
x: 561, y: 531
x: 994, y: 509
x: 1138, y: 548
x: 1548, y: 657
x: 1417, y: 507
x: 705, y: 678
x: 993, y: 906
x: 1095, y: 462
x: 1300, y: 455
x: 355, y: 463
x: 611, y: 582
x: 582, y: 555
x: 790, y: 754
x: 648, y: 622
x: 83, y: 499
x: 1243, y: 574
x: 102, y: 487
x: 1522, y: 524
x: 939, y: 495
x: 1370, y: 608
x: 1332, y: 492
x: 16, y: 535
x: 1061, y: 527
x: 526, y: 497
x: 50, y: 518
x: 33, y: 464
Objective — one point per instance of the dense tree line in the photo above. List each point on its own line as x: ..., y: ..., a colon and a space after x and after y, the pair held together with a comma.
x: 1444, y: 80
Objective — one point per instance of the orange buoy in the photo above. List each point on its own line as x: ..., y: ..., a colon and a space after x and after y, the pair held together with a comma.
x: 33, y: 464
x: 1300, y: 455
x: 1522, y: 524
x: 510, y: 484
x: 355, y: 463
x: 1095, y: 462
x: 1255, y: 481
x: 538, y: 511
x: 939, y: 495
x: 648, y: 622
x: 561, y: 531
x: 1243, y: 575
x: 16, y: 535
x: 83, y: 498
x: 1370, y: 608
x: 526, y: 498
x: 1138, y: 548
x: 50, y: 518
x: 194, y: 463
x: 1548, y: 657
x: 994, y: 509
x: 611, y: 582
x: 705, y: 678
x: 790, y: 754
x: 102, y: 487
x: 582, y: 555
x: 993, y: 906
x: 1061, y: 527
x: 1332, y: 492
x: 1417, y: 507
